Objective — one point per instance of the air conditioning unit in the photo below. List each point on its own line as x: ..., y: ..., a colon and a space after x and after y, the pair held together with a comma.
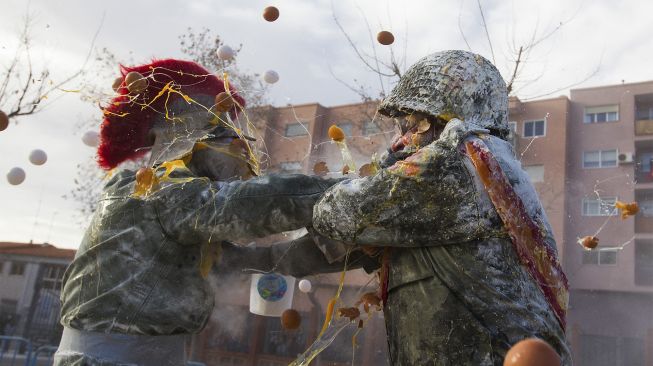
x: 626, y: 158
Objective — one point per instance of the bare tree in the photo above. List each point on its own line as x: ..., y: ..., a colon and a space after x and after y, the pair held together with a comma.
x: 199, y: 46
x: 390, y: 68
x: 23, y: 88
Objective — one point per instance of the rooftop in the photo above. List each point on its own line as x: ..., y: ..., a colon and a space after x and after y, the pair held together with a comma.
x: 36, y: 250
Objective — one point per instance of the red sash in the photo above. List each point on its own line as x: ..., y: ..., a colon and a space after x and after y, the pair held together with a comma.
x: 527, y: 237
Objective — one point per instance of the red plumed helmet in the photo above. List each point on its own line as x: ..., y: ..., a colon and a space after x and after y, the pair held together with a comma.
x: 128, y: 119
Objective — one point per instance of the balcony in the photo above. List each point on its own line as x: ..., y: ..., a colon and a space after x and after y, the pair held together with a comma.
x: 643, y: 160
x: 644, y: 127
x: 644, y: 114
x: 644, y: 263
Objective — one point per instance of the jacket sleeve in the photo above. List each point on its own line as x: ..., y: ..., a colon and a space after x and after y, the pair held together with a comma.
x: 298, y: 258
x: 427, y: 199
x: 199, y: 211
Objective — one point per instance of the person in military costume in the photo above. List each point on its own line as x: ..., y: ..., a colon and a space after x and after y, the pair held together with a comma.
x: 137, y: 284
x: 470, y: 255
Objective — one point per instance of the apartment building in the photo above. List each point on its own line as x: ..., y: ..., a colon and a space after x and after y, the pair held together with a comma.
x: 609, y: 150
x: 31, y: 276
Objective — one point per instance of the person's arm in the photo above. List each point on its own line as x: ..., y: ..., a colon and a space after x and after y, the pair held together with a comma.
x: 428, y: 199
x: 298, y: 258
x: 200, y: 211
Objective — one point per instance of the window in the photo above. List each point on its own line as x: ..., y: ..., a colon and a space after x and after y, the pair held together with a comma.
x: 534, y: 128
x: 535, y: 172
x: 285, y: 344
x: 600, y: 159
x: 599, y: 207
x: 52, y: 276
x: 644, y: 113
x: 370, y: 128
x: 643, y: 263
x: 291, y: 167
x: 602, y: 257
x: 645, y: 161
x: 601, y: 114
x: 347, y: 128
x: 8, y: 306
x: 296, y: 129
x: 17, y: 268
x: 646, y: 208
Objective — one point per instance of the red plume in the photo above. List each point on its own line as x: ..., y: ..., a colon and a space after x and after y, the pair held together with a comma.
x: 124, y: 130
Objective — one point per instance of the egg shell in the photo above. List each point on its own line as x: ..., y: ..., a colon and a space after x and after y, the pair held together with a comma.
x: 16, y: 176
x: 91, y: 138
x: 136, y: 82
x: 531, y: 352
x: 225, y: 52
x: 385, y: 38
x: 305, y: 286
x: 271, y: 13
x: 4, y: 121
x: 223, y: 102
x: 38, y: 157
x: 271, y: 77
x: 290, y: 319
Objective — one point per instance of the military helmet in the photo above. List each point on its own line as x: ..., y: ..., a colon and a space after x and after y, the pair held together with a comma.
x: 452, y: 84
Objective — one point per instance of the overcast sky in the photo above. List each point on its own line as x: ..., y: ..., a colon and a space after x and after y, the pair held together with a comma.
x: 305, y: 47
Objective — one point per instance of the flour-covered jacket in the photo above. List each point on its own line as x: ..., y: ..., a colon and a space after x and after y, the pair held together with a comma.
x: 137, y: 270
x: 458, y: 294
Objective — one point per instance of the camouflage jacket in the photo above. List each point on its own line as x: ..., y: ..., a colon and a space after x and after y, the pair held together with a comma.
x: 137, y: 269
x: 458, y: 294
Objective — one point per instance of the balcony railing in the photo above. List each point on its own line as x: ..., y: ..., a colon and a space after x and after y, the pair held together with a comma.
x: 644, y: 127
x: 643, y: 177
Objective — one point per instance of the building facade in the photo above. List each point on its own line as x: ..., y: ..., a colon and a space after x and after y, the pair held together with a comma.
x: 610, y: 145
x: 31, y: 276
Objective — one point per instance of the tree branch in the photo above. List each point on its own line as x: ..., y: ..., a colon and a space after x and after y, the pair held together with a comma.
x: 487, y: 32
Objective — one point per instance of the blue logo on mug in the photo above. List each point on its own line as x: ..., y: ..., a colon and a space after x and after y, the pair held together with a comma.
x: 272, y: 287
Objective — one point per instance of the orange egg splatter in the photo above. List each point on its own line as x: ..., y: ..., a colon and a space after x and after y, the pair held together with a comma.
x: 589, y: 242
x: 320, y: 169
x: 368, y: 300
x: 532, y: 352
x: 336, y: 133
x: 367, y: 170
x: 352, y: 313
x: 627, y: 209
x: 146, y: 181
